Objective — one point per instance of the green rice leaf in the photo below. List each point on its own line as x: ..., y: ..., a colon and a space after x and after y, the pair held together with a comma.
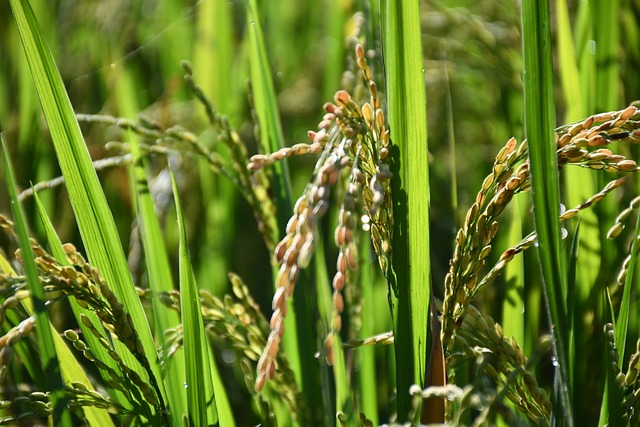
x: 71, y: 371
x: 93, y: 215
x: 201, y: 402
x: 367, y: 378
x: 539, y: 125
x: 48, y: 356
x: 271, y: 137
x: 513, y: 307
x: 406, y: 99
x: 155, y: 253
x: 611, y: 410
x: 622, y: 321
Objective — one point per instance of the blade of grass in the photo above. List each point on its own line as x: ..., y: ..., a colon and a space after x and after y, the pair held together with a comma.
x: 71, y: 371
x: 201, y: 396
x: 93, y: 215
x: 214, y: 51
x: 622, y: 322
x: 513, y: 308
x: 607, y: 43
x: 271, y: 136
x: 366, y: 356
x: 582, y: 183
x: 406, y: 99
x: 155, y: 253
x: 539, y: 125
x: 213, y: 56
x: 47, y: 349
x: 569, y: 75
x: 611, y: 412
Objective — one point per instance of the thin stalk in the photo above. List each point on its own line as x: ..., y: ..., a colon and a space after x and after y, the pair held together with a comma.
x: 539, y: 125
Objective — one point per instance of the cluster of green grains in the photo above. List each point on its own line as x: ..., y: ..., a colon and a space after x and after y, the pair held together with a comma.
x: 375, y: 158
x: 34, y: 404
x: 630, y: 383
x: 578, y: 144
x: 530, y: 239
x: 240, y: 324
x: 473, y: 241
x: 80, y: 395
x: 505, y: 363
x: 82, y: 281
x: 122, y: 380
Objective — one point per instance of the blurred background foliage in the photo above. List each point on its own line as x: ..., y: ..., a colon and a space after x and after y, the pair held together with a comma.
x: 473, y: 68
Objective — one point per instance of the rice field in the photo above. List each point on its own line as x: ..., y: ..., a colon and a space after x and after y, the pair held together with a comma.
x: 319, y: 213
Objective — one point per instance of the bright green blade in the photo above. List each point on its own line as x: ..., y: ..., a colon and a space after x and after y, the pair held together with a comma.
x: 513, y: 307
x: 611, y: 411
x: 368, y: 380
x: 201, y: 396
x: 406, y: 97
x: 582, y: 183
x: 47, y: 348
x: 539, y: 126
x: 266, y: 106
x: 622, y: 321
x: 71, y: 370
x: 93, y: 215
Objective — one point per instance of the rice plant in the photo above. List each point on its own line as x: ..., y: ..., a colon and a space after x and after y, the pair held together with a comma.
x: 351, y: 213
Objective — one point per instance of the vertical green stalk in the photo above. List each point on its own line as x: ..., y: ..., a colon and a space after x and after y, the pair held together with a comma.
x: 366, y: 356
x: 156, y: 260
x: 513, y: 319
x: 406, y: 97
x: 582, y: 183
x: 201, y: 396
x: 212, y: 56
x: 607, y: 43
x: 539, y: 125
